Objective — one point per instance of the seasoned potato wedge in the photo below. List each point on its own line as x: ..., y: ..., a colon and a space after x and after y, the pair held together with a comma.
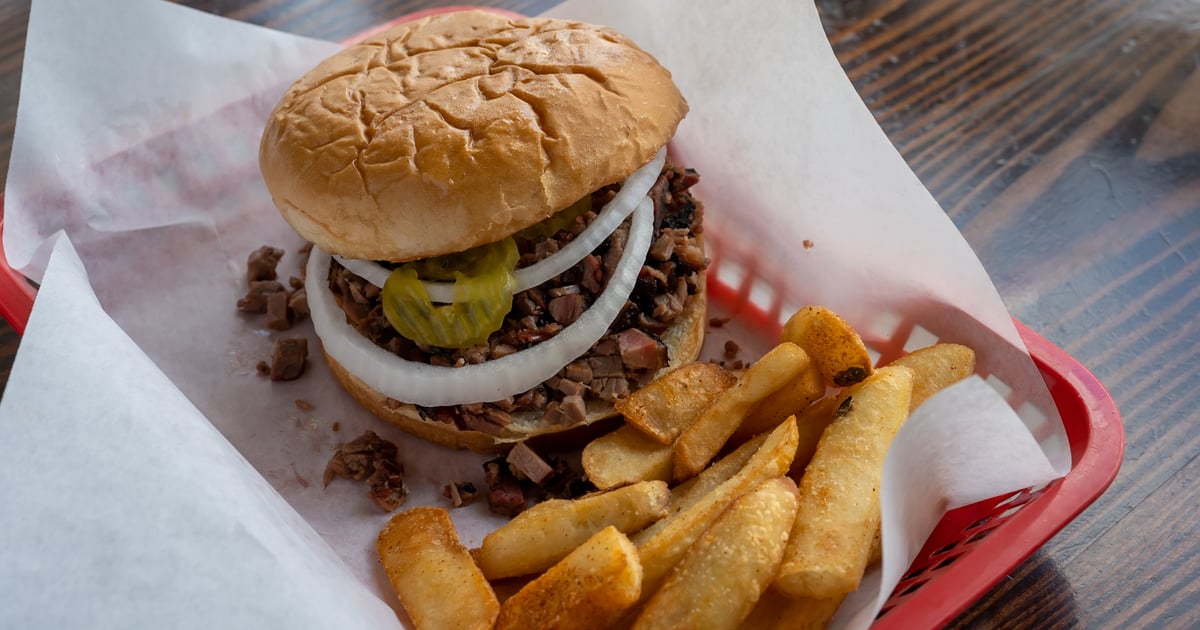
x: 424, y: 561
x: 545, y: 533
x: 590, y: 588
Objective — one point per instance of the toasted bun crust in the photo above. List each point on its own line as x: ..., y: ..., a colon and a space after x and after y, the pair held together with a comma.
x: 683, y: 340
x: 460, y: 129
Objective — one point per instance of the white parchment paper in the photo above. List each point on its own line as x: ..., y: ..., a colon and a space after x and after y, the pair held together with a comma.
x: 134, y: 196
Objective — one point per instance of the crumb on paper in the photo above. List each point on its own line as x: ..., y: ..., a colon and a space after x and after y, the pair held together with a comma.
x: 460, y: 493
x: 372, y: 458
x: 266, y: 295
x: 288, y: 358
x: 528, y: 464
x: 336, y: 426
x: 717, y: 322
x: 303, y: 405
x: 261, y: 263
x: 731, y: 349
x: 808, y: 244
x: 511, y: 489
x: 300, y: 480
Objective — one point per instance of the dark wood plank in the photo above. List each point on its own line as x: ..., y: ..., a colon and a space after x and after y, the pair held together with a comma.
x: 1062, y: 138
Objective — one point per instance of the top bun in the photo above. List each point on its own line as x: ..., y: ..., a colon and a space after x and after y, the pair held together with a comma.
x: 460, y: 129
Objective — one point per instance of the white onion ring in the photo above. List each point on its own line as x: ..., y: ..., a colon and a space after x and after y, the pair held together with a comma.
x: 432, y: 386
x: 614, y: 212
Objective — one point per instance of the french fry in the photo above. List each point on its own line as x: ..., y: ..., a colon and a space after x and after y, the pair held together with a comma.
x: 736, y: 557
x: 625, y: 456
x: 544, y: 534
x: 839, y: 492
x: 590, y: 588
x: 664, y: 407
x: 705, y: 436
x: 691, y: 491
x: 424, y: 561
x: 661, y: 549
x: 835, y: 346
x: 776, y: 612
x: 811, y: 424
x: 937, y: 367
x: 789, y: 400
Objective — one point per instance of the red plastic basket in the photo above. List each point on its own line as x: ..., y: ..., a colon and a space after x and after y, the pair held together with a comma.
x: 973, y: 547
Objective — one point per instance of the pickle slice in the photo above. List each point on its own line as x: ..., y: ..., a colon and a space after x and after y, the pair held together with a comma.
x: 484, y: 283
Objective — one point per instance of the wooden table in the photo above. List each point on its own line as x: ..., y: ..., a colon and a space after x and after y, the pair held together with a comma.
x: 1064, y: 140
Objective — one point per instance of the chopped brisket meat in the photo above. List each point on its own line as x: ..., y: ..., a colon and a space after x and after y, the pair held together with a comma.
x: 523, y: 460
x: 627, y: 356
x: 262, y: 262
x: 579, y: 371
x: 565, y: 309
x: 386, y: 485
x: 460, y: 493
x: 572, y: 405
x: 505, y: 495
x: 288, y: 358
x: 662, y: 248
x: 255, y: 300
x: 298, y: 304
x: 278, y: 315
x: 372, y: 458
x: 640, y: 351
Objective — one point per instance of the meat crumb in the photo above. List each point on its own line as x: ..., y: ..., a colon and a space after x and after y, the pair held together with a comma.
x: 505, y: 495
x: 336, y: 426
x: 279, y: 316
x: 288, y: 358
x: 256, y: 298
x: 460, y: 493
x: 731, y: 349
x: 303, y: 405
x: 261, y: 263
x: 372, y: 458
x: 717, y: 322
x: 529, y: 464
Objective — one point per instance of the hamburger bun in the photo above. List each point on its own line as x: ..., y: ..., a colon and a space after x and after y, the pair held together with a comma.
x: 460, y: 129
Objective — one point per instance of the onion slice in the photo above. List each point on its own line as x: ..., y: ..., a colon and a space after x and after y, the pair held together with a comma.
x: 611, y: 215
x: 432, y: 386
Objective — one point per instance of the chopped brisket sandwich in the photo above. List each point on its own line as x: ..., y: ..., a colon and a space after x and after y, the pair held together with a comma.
x: 501, y: 246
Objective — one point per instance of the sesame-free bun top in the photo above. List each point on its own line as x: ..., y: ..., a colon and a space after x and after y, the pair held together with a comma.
x: 460, y: 129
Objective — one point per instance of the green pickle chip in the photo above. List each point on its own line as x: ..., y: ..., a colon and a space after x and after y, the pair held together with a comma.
x: 484, y: 282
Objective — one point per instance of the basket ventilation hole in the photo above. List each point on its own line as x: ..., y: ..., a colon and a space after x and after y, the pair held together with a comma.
x: 981, y: 522
x: 920, y: 337
x: 731, y: 273
x: 762, y: 295
x: 945, y: 563
x: 944, y: 550
x: 978, y: 536
x: 884, y: 325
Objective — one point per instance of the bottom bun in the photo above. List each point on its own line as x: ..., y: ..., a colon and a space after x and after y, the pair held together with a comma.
x: 683, y: 339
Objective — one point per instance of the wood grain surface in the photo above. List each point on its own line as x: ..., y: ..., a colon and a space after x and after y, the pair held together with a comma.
x: 1063, y: 138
